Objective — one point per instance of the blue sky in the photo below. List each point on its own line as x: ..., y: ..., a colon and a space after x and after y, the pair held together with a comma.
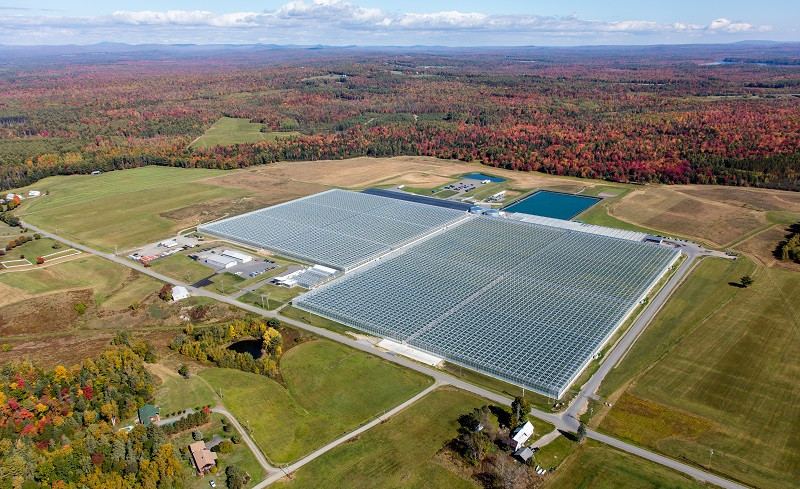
x: 392, y: 22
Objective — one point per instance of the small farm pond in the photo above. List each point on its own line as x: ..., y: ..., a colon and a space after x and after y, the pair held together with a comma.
x: 252, y: 347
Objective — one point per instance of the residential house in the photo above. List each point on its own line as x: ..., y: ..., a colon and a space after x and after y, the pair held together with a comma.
x: 202, y: 459
x: 148, y: 413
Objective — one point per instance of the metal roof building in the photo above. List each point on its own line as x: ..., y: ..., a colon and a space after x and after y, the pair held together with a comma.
x: 337, y: 228
x: 523, y: 302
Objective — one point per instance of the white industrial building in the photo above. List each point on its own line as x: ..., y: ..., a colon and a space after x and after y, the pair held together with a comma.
x: 219, y: 261
x: 237, y: 255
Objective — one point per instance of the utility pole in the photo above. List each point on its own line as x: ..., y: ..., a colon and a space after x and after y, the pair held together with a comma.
x: 710, y: 453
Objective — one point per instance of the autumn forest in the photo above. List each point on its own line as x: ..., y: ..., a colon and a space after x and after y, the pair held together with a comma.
x: 726, y: 114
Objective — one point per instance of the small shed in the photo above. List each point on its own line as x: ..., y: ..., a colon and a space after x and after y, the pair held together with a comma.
x: 524, y: 453
x: 148, y: 413
x: 34, y: 193
x: 520, y: 435
x: 179, y: 293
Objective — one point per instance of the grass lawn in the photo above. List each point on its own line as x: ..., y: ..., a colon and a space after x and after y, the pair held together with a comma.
x: 225, y: 283
x: 598, y: 214
x: 330, y: 390
x: 594, y: 466
x: 445, y: 194
x: 120, y: 208
x: 230, y: 130
x: 181, y: 267
x: 111, y: 282
x: 398, y: 453
x: 178, y: 393
x: 319, y: 321
x: 240, y: 456
x: 715, y: 371
x: 537, y: 401
x: 274, y: 295
x: 32, y: 250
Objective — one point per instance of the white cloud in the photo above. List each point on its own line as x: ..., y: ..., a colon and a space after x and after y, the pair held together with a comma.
x: 341, y: 21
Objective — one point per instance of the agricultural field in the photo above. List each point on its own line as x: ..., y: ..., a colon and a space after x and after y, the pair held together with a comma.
x: 593, y: 465
x: 311, y: 409
x: 400, y: 453
x: 712, y: 372
x: 122, y: 208
x: 230, y: 130
x: 718, y: 216
x: 68, y: 311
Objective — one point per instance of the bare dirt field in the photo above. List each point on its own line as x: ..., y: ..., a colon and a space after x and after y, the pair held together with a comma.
x: 715, y: 215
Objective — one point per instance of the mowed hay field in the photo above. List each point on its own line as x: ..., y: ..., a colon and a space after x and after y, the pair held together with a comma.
x: 399, y: 453
x: 121, y: 208
x: 596, y: 466
x: 329, y: 390
x: 717, y: 369
x: 231, y: 130
x: 719, y: 216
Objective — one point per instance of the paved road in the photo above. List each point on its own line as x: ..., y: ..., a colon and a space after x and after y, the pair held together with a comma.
x: 668, y: 462
x: 269, y: 469
x: 291, y: 468
x: 589, y: 389
x: 565, y: 421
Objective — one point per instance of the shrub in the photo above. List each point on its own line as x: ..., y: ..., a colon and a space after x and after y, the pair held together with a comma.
x: 80, y: 308
x: 225, y: 447
x: 40, y: 260
x: 37, y: 236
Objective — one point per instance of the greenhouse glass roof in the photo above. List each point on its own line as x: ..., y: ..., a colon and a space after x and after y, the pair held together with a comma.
x: 336, y: 228
x: 527, y: 303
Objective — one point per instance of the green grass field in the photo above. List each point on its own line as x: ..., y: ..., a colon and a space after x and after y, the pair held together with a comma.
x: 32, y: 250
x: 274, y: 295
x: 177, y: 394
x: 398, y: 453
x: 181, y: 267
x: 330, y: 390
x: 230, y: 130
x: 120, y: 208
x: 718, y: 374
x: 319, y: 321
x: 106, y: 278
x: 596, y: 466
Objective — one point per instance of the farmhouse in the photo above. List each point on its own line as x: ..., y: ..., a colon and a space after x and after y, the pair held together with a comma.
x: 520, y: 435
x: 148, y: 413
x: 202, y: 459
